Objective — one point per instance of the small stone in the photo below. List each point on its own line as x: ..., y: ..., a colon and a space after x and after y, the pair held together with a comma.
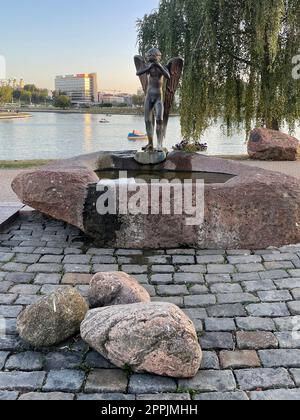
x: 147, y: 384
x: 253, y: 379
x: 117, y: 288
x: 239, y: 359
x: 106, y: 380
x: 155, y: 338
x: 256, y: 340
x: 53, y: 319
x: 64, y: 380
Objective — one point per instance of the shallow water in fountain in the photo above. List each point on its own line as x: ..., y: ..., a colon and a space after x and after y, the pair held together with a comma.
x: 149, y: 175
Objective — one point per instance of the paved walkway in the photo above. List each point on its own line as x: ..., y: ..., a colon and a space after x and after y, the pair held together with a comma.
x: 6, y: 177
x: 245, y: 305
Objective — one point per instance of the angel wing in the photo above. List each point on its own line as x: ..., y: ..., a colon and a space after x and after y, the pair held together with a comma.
x: 175, y: 67
x: 140, y: 63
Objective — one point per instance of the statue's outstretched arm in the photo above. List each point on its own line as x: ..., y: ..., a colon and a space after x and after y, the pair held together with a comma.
x: 164, y: 70
x: 143, y: 71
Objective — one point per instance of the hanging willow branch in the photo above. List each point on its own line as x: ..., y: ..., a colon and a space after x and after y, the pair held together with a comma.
x: 238, y: 60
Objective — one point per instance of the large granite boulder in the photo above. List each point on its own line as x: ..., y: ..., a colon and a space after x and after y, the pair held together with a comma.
x: 53, y: 319
x: 156, y: 338
x: 274, y: 145
x: 116, y: 288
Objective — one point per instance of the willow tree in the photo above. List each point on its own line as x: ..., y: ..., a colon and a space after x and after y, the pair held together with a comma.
x: 239, y: 57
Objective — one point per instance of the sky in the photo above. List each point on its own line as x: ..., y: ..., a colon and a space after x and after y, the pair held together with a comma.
x: 42, y: 39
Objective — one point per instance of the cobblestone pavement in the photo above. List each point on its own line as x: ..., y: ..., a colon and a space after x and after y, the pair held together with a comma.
x: 245, y: 305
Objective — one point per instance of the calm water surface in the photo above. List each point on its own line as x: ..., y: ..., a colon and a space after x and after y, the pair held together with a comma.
x: 53, y: 136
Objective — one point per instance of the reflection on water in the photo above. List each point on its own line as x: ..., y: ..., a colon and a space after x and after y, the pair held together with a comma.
x: 51, y: 136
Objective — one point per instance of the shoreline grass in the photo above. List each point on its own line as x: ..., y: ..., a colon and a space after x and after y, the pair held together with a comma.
x: 23, y: 164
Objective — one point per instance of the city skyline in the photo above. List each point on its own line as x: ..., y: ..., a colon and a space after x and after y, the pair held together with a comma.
x: 100, y: 38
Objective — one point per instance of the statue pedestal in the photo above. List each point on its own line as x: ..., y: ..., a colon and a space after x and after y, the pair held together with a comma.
x: 150, y: 157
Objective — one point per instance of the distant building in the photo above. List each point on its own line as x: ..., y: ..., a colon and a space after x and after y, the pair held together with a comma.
x: 115, y: 98
x: 81, y: 88
x: 13, y: 83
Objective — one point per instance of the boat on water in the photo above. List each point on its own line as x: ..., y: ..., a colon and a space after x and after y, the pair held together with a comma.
x: 103, y: 121
x: 137, y: 135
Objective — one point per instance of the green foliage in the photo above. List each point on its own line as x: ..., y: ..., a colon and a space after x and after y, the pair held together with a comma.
x: 62, y: 101
x: 238, y: 60
x: 5, y: 94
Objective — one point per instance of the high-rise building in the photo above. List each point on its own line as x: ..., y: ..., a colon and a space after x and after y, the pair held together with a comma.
x: 81, y: 88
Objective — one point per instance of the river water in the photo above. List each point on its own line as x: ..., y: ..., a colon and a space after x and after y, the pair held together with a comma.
x: 54, y: 136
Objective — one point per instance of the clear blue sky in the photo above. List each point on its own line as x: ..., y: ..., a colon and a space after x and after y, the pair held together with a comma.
x: 41, y: 39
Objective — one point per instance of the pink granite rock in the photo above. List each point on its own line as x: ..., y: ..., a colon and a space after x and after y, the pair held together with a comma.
x: 267, y: 144
x: 156, y: 338
x: 116, y: 288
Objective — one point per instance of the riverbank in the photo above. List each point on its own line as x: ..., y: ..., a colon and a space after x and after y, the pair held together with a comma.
x: 22, y: 164
x: 95, y: 111
x: 14, y: 115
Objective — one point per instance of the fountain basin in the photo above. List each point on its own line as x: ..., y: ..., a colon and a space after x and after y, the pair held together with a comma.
x: 244, y: 207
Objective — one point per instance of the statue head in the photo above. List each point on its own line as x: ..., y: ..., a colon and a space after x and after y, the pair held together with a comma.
x: 154, y: 55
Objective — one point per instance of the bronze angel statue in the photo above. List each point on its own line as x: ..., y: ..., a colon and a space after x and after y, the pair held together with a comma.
x: 158, y: 103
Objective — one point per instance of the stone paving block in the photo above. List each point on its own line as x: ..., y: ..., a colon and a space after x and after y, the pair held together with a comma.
x: 294, y: 307
x: 14, y: 267
x: 249, y: 268
x: 8, y: 343
x: 237, y: 252
x: 240, y: 277
x: 218, y: 278
x: 280, y: 358
x: 55, y: 361
x: 44, y: 268
x: 198, y: 289
x: 288, y: 283
x: 236, y: 298
x: 256, y: 340
x: 222, y: 396
x: 244, y: 259
x: 5, y: 258
x: 268, y: 310
x: 162, y: 269
x: 105, y: 397
x: 77, y: 268
x: 226, y: 311
x: 273, y: 275
x: 50, y: 259
x: 175, y: 300
x: 210, y: 361
x: 150, y: 289
x: 209, y: 381
x: 27, y: 361
x: 275, y: 296
x: 21, y: 381
x: 279, y: 257
x: 47, y: 396
x: 239, y: 359
x: 289, y: 339
x: 27, y: 258
x: 296, y: 376
x: 106, y: 380
x: 210, y: 259
x: 183, y: 259
x: 161, y: 279
x: 220, y: 324
x: 172, y: 290
x: 223, y: 288
x: 72, y: 251
x: 47, y: 279
x: 295, y: 293
x: 253, y: 379
x: 275, y: 265
x: 164, y: 397
x: 220, y: 269
x: 188, y: 278
x: 148, y: 384
x: 3, y: 357
x: 21, y: 278
x: 49, y: 251
x: 126, y: 252
x: 100, y: 251
x: 196, y: 313
x: 23, y: 250
x: 216, y: 341
x: 158, y: 259
x: 199, y: 301
x: 7, y: 299
x: 294, y: 273
x: 255, y: 324
x: 288, y: 324
x: 96, y: 361
x: 76, y: 278
x: 11, y: 311
x: 260, y: 285
x: 64, y: 381
x: 8, y: 396
x: 211, y: 252
x: 27, y: 299
x: 200, y: 269
x: 135, y: 269
x: 77, y: 259
x: 276, y: 395
x: 104, y: 268
x: 47, y: 289
x: 142, y: 278
x: 25, y: 289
